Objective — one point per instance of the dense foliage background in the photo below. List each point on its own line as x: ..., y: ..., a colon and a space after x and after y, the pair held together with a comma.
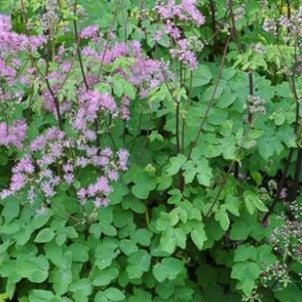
x: 150, y: 150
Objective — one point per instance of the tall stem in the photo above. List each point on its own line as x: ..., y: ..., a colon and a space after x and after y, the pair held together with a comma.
x: 210, y: 103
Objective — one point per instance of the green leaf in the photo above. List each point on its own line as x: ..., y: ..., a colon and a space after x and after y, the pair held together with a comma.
x: 45, y: 235
x: 175, y: 164
x: 11, y: 209
x: 252, y: 202
x: 223, y: 218
x: 240, y: 230
x: 198, y: 235
x: 246, y: 273
x: 189, y: 172
x: 232, y: 204
x: 128, y: 246
x: 265, y: 148
x: 82, y: 287
x: 204, y: 172
x: 139, y: 262
x: 144, y: 182
x: 244, y: 253
x: 104, y: 277
x: 105, y: 252
x: 142, y: 190
x: 201, y: 76
x: 142, y: 236
x: 41, y: 296
x: 114, y: 294
x: 171, y: 238
x: 79, y: 252
x: 279, y: 118
x: 259, y: 205
x: 168, y: 268
x: 34, y: 269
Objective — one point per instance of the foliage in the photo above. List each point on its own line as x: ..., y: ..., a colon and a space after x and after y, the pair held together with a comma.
x: 150, y: 150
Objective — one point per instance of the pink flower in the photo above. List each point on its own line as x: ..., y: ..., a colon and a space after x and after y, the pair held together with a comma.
x: 82, y: 195
x: 14, y: 134
x: 5, y: 23
x: 47, y: 189
x: 24, y: 165
x: 124, y: 108
x: 112, y: 175
x: 98, y: 202
x: 17, y: 182
x: 123, y: 155
x: 69, y: 178
x: 89, y: 32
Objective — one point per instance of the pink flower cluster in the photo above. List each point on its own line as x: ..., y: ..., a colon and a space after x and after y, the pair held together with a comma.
x: 171, y: 12
x: 90, y: 32
x: 110, y: 53
x: 11, y: 45
x: 147, y: 74
x: 11, y: 42
x: 125, y: 114
x: 185, y: 11
x: 13, y: 134
x: 48, y: 164
x: 91, y: 103
x: 184, y: 54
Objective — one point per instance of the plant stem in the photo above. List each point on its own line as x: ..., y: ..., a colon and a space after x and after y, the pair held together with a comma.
x: 187, y: 109
x: 210, y: 103
x: 75, y: 27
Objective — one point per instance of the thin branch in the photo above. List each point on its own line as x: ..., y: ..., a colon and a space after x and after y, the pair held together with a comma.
x: 75, y: 27
x: 210, y: 103
x: 226, y: 177
x: 107, y: 39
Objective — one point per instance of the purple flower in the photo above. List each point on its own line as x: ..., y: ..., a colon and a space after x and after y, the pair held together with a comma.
x: 68, y: 168
x: 112, y: 175
x: 41, y: 211
x: 102, y: 185
x: 5, y: 23
x: 82, y: 195
x: 184, y: 54
x: 17, y: 182
x: 56, y: 149
x: 81, y: 162
x: 46, y: 173
x: 186, y: 11
x: 24, y: 165
x: 69, y: 178
x: 124, y: 108
x: 91, y: 151
x: 123, y: 155
x: 90, y: 135
x: 107, y: 152
x: 89, y: 32
x: 14, y: 134
x: 102, y: 161
x: 47, y: 189
x: 5, y: 193
x: 31, y: 195
x: 38, y: 144
x: 98, y: 202
x: 189, y: 7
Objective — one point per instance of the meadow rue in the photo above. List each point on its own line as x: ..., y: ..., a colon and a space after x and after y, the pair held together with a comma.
x: 185, y: 11
x: 51, y: 148
x: 128, y: 171
x: 89, y: 32
x: 13, y: 134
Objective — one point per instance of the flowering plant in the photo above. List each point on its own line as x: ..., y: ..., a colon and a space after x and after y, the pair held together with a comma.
x: 150, y: 150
